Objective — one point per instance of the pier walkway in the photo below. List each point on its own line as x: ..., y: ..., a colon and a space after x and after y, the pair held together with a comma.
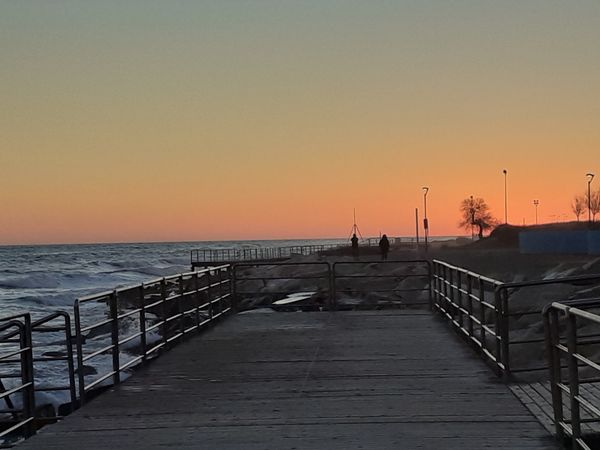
x: 314, y: 380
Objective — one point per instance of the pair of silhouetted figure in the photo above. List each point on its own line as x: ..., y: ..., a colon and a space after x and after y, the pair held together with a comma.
x: 384, y: 246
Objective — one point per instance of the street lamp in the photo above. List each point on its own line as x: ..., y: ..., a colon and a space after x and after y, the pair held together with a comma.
x: 472, y: 211
x: 505, y: 198
x: 590, y: 178
x: 536, y: 203
x: 425, y: 221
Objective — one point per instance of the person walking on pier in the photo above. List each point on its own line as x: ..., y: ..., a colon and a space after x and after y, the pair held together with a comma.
x: 354, y: 242
x: 384, y: 246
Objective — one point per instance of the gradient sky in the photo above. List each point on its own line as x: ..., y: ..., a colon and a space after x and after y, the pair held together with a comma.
x: 190, y: 120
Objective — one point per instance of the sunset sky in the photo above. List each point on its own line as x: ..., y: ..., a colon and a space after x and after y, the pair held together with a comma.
x: 197, y: 120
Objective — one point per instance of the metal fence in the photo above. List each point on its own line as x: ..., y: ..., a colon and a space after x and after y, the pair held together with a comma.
x: 571, y: 330
x: 467, y: 300
x: 16, y: 360
x: 200, y: 257
x: 524, y: 350
x: 383, y: 283
x: 484, y: 310
x: 271, y: 284
x: 141, y: 320
x: 26, y: 352
x: 358, y: 284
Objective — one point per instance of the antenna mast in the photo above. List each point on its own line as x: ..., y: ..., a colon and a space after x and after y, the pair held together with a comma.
x: 355, y: 229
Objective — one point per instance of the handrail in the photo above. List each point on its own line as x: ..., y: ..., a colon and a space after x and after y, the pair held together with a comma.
x: 460, y: 295
x: 584, y: 408
x: 245, y: 285
x: 503, y: 297
x: 22, y: 418
x: 380, y: 283
x: 145, y: 319
x: 480, y: 309
x: 29, y: 359
x: 232, y: 255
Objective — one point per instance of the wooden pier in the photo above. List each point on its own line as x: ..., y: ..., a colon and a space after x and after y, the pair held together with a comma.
x: 319, y: 380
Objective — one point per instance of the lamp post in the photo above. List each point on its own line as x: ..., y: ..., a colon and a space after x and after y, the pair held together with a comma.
x: 536, y: 203
x: 425, y: 221
x: 590, y: 178
x: 505, y: 198
x: 472, y: 207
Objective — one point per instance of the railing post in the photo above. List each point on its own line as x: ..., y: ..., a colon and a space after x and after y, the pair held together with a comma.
x: 482, y: 313
x: 208, y: 294
x: 573, y: 377
x: 431, y: 285
x: 27, y: 377
x: 505, y: 329
x: 163, y: 310
x: 437, y: 285
x: 197, y: 298
x: 444, y: 290
x: 70, y: 362
x: 451, y: 301
x: 470, y: 302
x: 79, y: 346
x: 551, y: 334
x: 181, y: 305
x: 233, y: 288
x: 332, y: 287
x: 220, y: 302
x: 142, y: 321
x: 499, y: 330
x: 459, y: 296
x: 114, y: 336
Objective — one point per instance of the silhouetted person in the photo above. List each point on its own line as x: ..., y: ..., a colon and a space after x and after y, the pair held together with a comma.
x: 354, y: 242
x: 384, y: 246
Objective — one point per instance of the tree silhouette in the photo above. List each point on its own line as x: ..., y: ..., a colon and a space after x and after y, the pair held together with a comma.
x: 475, y: 212
x: 594, y: 204
x: 579, y: 205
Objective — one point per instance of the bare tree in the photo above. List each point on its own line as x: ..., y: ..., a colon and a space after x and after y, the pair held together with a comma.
x: 476, y: 213
x: 579, y: 205
x: 594, y: 203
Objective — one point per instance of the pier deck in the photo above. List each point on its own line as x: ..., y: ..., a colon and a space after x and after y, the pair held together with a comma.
x: 341, y: 380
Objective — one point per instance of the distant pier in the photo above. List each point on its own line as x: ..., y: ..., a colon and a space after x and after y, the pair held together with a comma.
x: 205, y: 257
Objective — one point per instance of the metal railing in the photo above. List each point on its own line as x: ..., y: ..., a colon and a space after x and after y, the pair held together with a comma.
x: 532, y: 342
x: 141, y: 320
x: 409, y: 281
x: 231, y: 255
x: 259, y: 285
x: 467, y: 299
x: 482, y: 309
x: 38, y: 352
x: 16, y: 358
x: 570, y: 346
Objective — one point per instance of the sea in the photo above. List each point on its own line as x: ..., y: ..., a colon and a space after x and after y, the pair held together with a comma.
x: 43, y: 278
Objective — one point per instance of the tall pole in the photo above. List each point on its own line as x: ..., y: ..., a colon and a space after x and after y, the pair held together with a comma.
x: 417, y: 225
x: 425, y: 221
x: 505, y: 198
x: 472, y: 207
x: 536, y: 203
x: 590, y: 178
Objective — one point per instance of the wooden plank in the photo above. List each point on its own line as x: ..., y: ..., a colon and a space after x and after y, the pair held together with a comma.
x: 344, y: 380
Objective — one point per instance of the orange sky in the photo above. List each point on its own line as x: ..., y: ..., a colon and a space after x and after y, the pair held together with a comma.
x: 154, y: 121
